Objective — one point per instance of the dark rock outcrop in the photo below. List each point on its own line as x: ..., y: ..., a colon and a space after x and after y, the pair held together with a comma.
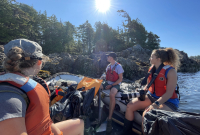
x: 2, y: 56
x: 135, y: 61
x: 187, y: 64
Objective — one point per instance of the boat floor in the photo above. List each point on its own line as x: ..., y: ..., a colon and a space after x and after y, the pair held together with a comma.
x: 116, y: 124
x: 116, y: 129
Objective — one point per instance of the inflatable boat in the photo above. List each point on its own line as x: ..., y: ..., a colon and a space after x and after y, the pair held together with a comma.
x: 103, y: 100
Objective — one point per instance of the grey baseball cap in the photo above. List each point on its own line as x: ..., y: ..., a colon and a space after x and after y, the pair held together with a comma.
x: 30, y: 48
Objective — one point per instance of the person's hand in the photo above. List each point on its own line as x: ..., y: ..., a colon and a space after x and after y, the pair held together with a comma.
x: 145, y: 88
x: 151, y: 107
x: 108, y: 87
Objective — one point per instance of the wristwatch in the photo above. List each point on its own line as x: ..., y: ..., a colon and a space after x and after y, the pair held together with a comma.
x: 157, y: 103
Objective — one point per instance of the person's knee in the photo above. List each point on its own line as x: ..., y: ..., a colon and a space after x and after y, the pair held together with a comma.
x: 131, y: 106
x: 113, y: 92
x: 112, y: 95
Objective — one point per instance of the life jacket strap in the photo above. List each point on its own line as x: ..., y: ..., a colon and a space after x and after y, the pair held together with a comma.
x: 155, y: 75
x: 113, y: 67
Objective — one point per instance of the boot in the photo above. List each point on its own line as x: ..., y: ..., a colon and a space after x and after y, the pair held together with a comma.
x: 127, y: 129
x: 109, y: 127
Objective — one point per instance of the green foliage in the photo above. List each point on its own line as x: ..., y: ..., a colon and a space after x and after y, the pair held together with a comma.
x: 14, y: 22
x: 153, y: 41
x: 195, y: 57
x: 19, y: 20
x: 57, y: 37
x: 135, y: 33
x: 107, y: 39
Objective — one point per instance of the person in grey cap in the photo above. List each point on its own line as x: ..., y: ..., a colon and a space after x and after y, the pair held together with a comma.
x: 114, y: 76
x: 24, y: 102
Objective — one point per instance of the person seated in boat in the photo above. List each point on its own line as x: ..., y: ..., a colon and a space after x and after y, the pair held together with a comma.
x: 24, y: 102
x: 114, y: 76
x: 161, y: 94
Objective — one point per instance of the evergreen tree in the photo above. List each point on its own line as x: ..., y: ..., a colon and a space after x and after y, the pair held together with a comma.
x: 153, y: 41
x: 33, y: 31
x: 14, y: 22
x: 86, y: 36
x: 19, y: 20
x: 108, y: 38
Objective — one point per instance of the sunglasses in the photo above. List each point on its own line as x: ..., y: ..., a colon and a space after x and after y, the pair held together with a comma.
x: 29, y: 58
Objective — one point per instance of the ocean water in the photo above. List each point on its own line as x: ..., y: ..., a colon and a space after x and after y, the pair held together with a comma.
x: 189, y: 88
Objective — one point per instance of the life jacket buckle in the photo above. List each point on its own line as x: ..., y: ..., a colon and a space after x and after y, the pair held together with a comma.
x: 155, y: 74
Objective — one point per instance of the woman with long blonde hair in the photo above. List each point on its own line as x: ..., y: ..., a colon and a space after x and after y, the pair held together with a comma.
x: 161, y: 94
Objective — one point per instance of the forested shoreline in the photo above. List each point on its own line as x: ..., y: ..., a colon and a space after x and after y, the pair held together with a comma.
x: 18, y: 20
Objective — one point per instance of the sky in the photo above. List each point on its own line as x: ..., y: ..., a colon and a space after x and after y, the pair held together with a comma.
x: 176, y: 22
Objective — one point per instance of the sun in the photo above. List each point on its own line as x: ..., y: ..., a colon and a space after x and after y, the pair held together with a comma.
x: 102, y: 5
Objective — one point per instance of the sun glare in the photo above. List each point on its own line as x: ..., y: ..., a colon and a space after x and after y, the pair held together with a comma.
x: 102, y: 5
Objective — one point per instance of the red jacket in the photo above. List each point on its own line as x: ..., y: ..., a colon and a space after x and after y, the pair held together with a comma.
x: 160, y: 83
x: 111, y: 74
x: 37, y: 119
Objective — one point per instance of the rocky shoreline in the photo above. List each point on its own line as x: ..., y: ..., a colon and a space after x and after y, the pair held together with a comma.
x: 135, y: 61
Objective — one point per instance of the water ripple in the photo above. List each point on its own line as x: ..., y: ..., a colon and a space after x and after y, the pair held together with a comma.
x: 189, y: 87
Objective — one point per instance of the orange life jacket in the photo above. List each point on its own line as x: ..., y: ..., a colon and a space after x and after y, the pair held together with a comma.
x: 160, y: 84
x: 111, y: 74
x: 37, y: 119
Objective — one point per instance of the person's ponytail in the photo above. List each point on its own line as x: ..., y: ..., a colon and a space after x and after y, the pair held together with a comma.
x: 173, y: 58
x: 12, y: 61
x: 15, y: 62
x: 168, y: 56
